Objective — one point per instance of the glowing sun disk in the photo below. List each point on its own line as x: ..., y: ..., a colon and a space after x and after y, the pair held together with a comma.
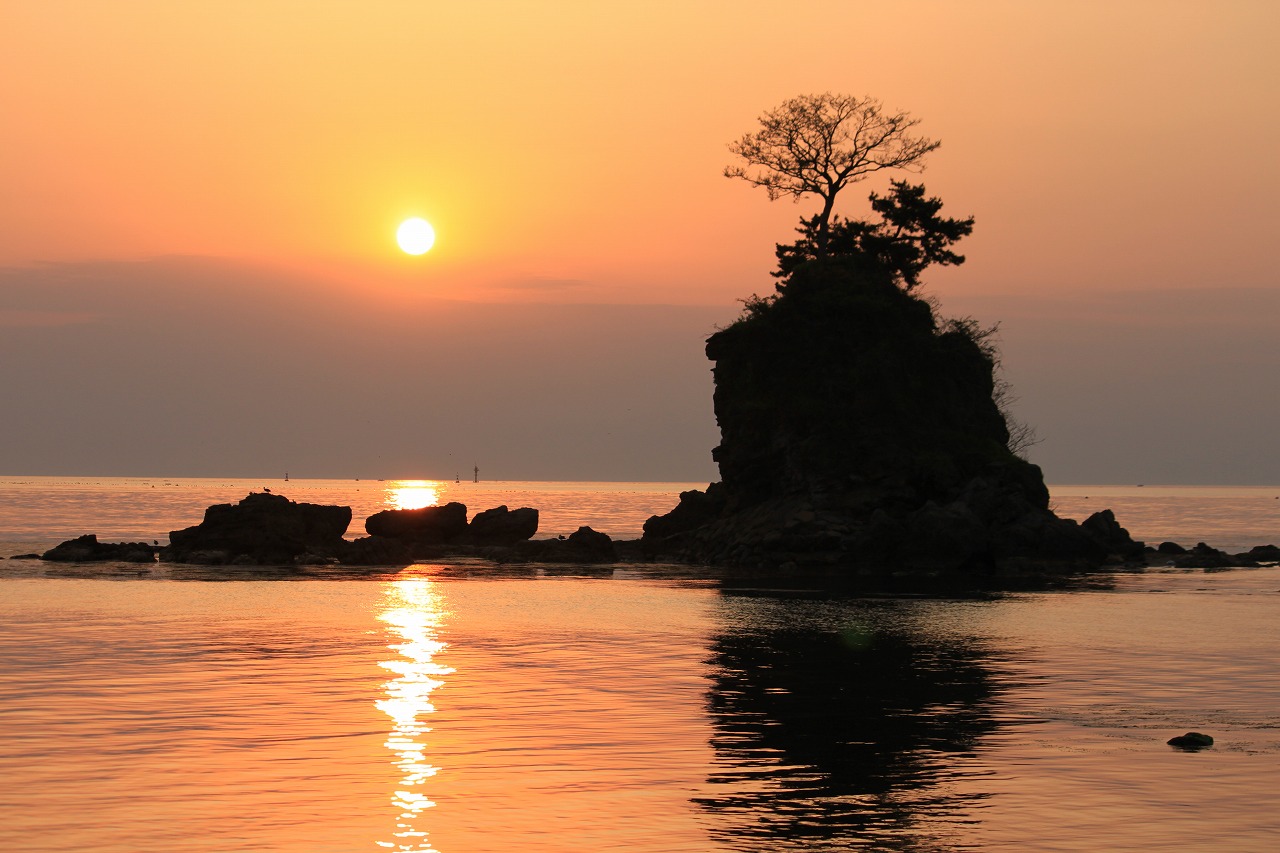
x: 415, y: 236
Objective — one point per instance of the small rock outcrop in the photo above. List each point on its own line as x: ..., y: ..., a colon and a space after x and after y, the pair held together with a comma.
x: 405, y: 535
x: 1103, y: 528
x: 87, y: 549
x: 428, y: 525
x: 501, y: 526
x: 860, y: 434
x: 1204, y: 556
x: 262, y: 529
x: 1191, y: 740
x: 584, y: 545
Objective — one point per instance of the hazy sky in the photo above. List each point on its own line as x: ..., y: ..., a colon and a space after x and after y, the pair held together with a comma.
x: 198, y: 202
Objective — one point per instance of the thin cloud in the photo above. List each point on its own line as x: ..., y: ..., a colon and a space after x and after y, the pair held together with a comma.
x: 539, y: 283
x: 17, y: 319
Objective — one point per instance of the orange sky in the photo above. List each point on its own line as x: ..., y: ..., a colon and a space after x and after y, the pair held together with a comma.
x: 217, y: 172
x: 572, y: 151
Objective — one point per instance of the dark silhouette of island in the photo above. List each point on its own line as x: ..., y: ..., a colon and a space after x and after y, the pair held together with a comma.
x: 860, y: 431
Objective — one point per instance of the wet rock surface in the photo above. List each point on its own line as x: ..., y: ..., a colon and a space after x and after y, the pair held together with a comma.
x: 87, y: 549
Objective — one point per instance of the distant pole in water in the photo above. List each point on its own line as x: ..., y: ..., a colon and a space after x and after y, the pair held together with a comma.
x: 286, y: 476
x: 477, y: 477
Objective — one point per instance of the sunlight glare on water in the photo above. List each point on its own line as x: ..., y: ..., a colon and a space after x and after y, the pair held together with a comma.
x: 414, y: 611
x: 413, y: 494
x: 462, y: 708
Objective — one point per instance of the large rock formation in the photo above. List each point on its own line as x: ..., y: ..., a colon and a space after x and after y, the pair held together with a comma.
x: 859, y: 432
x: 263, y: 529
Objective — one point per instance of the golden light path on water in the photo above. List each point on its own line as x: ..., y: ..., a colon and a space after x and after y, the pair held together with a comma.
x: 413, y: 494
x: 414, y: 611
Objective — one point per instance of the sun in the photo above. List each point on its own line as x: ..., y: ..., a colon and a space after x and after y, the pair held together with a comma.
x: 416, y: 236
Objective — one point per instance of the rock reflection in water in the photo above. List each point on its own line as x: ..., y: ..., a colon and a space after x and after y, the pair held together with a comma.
x: 414, y: 612
x: 841, y: 723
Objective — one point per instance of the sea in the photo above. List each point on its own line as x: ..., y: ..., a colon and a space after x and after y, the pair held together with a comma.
x: 460, y: 707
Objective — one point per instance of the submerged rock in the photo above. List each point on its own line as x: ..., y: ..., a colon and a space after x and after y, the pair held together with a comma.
x: 1191, y: 740
x: 87, y: 549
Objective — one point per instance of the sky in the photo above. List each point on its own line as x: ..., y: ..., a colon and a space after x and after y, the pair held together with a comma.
x: 198, y: 203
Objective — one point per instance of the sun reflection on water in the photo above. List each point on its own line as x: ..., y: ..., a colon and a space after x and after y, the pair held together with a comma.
x: 413, y: 494
x: 414, y: 611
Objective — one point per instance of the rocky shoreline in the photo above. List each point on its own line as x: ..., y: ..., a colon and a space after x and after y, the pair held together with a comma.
x: 790, y: 535
x: 266, y: 529
x: 269, y: 530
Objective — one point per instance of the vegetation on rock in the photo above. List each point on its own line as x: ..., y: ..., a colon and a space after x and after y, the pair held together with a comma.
x: 858, y: 428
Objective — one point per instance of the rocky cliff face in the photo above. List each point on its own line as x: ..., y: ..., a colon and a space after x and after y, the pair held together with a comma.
x: 859, y: 432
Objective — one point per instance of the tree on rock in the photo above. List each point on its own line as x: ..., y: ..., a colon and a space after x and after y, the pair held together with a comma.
x: 910, y: 236
x: 819, y: 144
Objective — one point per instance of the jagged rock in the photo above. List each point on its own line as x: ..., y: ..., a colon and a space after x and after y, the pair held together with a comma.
x: 501, y: 526
x: 427, y: 525
x: 695, y: 509
x: 1103, y: 528
x: 1207, y: 557
x: 263, y: 529
x: 87, y: 549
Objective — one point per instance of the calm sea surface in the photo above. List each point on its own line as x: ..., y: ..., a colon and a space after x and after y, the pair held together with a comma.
x: 455, y: 708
